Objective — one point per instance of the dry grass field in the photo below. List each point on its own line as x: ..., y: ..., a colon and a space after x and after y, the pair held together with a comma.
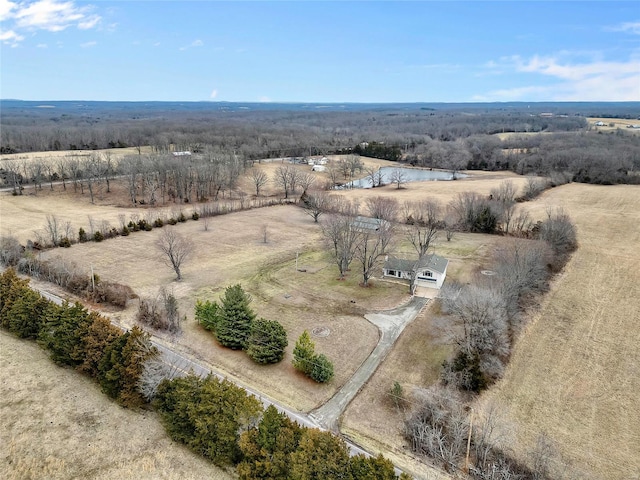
x: 575, y: 372
x: 612, y: 124
x: 56, y: 424
x: 572, y: 371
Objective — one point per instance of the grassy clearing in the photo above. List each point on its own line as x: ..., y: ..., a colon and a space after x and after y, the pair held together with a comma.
x: 575, y: 372
x: 612, y: 124
x: 56, y: 424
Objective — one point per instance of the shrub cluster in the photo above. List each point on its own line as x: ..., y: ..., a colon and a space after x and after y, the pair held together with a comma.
x: 64, y: 274
x: 160, y: 313
x: 78, y: 338
x: 235, y: 326
x: 317, y: 367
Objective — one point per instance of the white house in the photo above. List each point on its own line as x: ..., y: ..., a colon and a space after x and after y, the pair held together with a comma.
x: 319, y: 168
x: 429, y: 271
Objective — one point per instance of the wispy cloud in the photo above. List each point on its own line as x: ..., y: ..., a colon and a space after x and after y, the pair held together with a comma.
x: 11, y: 38
x: 576, y: 79
x: 88, y: 44
x: 627, y: 27
x: 214, y: 93
x: 42, y: 45
x: 48, y: 15
x: 195, y: 43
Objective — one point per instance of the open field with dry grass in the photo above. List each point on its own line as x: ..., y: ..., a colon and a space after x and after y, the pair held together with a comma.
x: 56, y: 424
x: 233, y: 251
x: 612, y: 124
x: 575, y: 372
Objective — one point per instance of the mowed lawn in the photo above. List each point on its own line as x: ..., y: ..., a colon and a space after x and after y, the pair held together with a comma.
x: 56, y: 424
x: 575, y: 372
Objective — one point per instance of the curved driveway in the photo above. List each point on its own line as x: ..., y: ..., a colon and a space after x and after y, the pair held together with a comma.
x: 391, y: 323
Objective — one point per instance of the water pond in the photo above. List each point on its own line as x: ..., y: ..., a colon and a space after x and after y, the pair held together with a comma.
x: 409, y: 174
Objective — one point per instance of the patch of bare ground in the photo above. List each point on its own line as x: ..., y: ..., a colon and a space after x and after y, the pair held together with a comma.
x: 56, y: 424
x: 575, y: 372
x: 231, y: 251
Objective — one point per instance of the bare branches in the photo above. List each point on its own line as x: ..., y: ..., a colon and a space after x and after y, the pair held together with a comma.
x: 383, y: 208
x: 176, y: 249
x: 259, y: 179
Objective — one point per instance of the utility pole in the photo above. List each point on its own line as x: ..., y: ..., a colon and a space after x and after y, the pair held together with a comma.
x: 466, y: 461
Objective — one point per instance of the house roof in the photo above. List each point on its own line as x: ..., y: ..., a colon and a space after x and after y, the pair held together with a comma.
x: 432, y: 262
x: 367, y: 223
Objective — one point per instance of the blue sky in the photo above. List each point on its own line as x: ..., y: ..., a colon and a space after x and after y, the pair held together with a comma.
x: 362, y: 51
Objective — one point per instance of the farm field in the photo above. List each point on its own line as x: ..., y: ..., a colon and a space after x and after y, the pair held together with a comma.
x: 56, y: 424
x: 232, y: 250
x: 617, y: 123
x: 575, y: 372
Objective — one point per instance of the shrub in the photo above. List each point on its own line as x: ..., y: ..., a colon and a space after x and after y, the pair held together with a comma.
x: 208, y: 314
x: 303, y: 354
x: 65, y: 242
x: 172, y: 221
x: 98, y: 237
x: 182, y: 218
x: 82, y: 235
x: 322, y: 370
x: 125, y: 231
x: 267, y: 341
x: 158, y: 223
x: 195, y: 216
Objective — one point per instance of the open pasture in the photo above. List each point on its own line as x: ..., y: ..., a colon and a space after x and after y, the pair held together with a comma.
x: 575, y: 372
x: 56, y: 424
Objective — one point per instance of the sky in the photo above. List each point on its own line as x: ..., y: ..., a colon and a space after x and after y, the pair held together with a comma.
x: 320, y: 51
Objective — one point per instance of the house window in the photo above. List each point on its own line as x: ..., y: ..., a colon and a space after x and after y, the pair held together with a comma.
x: 391, y: 273
x: 427, y: 273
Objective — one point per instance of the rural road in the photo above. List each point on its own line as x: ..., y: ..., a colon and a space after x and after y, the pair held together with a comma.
x: 391, y: 323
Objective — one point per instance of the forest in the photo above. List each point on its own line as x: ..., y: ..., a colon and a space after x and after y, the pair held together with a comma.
x: 450, y: 136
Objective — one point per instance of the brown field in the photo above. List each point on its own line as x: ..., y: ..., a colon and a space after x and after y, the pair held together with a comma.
x: 56, y: 424
x: 568, y: 330
x: 115, y: 152
x: 617, y: 123
x: 575, y: 373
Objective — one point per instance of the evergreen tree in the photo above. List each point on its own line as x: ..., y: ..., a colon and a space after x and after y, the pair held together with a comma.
x: 322, y: 369
x: 303, y: 354
x: 208, y: 415
x: 371, y: 468
x: 234, y: 322
x: 11, y: 288
x: 267, y: 341
x: 266, y: 450
x: 62, y: 332
x: 207, y: 315
x: 95, y: 343
x: 27, y: 313
x: 320, y: 455
x: 122, y: 364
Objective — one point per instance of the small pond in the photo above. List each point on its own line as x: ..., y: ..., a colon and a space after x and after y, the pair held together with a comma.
x: 409, y: 174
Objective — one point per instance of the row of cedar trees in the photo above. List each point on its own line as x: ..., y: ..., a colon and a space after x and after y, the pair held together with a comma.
x: 213, y: 417
x: 235, y: 326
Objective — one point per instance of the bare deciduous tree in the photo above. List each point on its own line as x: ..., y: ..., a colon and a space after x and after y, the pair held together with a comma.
x: 315, y: 204
x: 438, y: 426
x: 342, y: 237
x: 286, y: 177
x: 383, y: 207
x: 423, y: 218
x: 371, y: 246
x: 259, y: 179
x: 399, y: 177
x: 176, y: 249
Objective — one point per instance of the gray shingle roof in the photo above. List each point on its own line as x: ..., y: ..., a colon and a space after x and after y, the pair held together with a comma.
x: 432, y: 262
x: 367, y: 223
